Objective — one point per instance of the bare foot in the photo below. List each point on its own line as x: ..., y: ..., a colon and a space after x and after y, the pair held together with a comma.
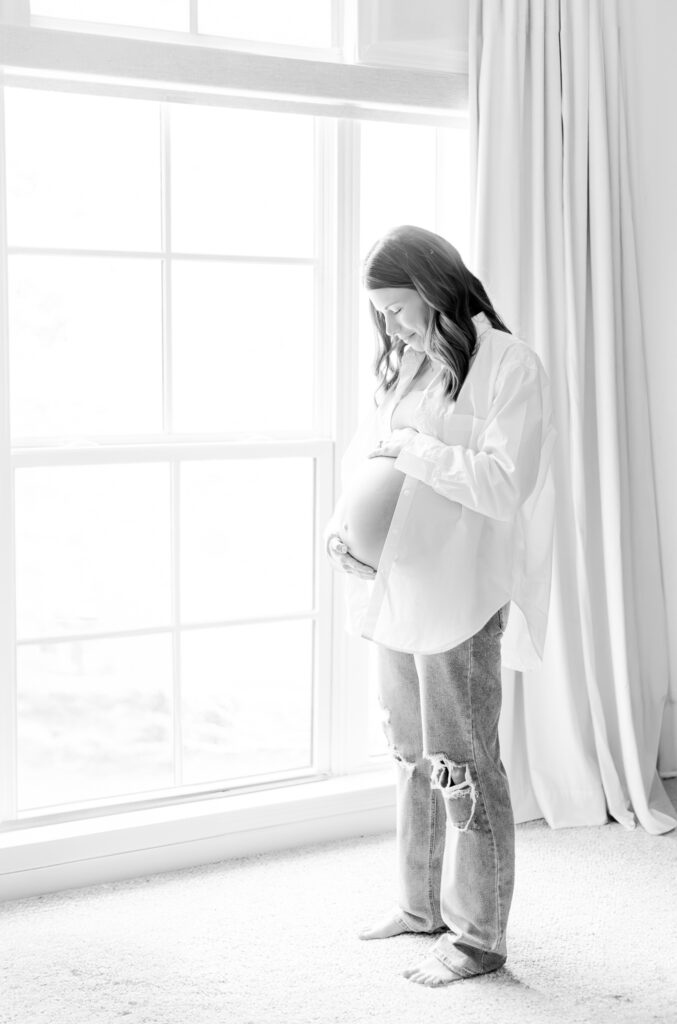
x: 432, y: 972
x: 384, y: 929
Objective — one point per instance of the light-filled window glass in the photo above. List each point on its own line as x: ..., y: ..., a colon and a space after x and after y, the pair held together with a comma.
x: 94, y: 720
x: 85, y: 346
x: 246, y: 538
x: 377, y: 722
x: 86, y: 333
x: 243, y: 346
x: 398, y: 174
x: 295, y: 22
x: 246, y: 700
x: 99, y: 711
x: 242, y: 182
x: 164, y: 14
x: 301, y: 22
x: 153, y: 291
x: 92, y: 548
x: 83, y: 172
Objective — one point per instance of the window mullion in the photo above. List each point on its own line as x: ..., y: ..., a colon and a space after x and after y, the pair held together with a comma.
x: 324, y: 671
x: 349, y: 717
x: 8, y: 661
x: 167, y: 426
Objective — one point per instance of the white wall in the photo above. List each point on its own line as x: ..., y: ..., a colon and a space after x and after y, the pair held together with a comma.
x: 648, y: 40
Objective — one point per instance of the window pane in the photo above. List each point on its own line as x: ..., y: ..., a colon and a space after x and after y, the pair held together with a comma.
x: 455, y: 200
x: 303, y: 22
x: 242, y: 182
x: 398, y: 174
x: 82, y: 171
x: 92, y: 549
x: 246, y: 700
x: 98, y: 714
x: 166, y: 14
x: 246, y: 538
x: 367, y: 354
x: 85, y: 346
x: 243, y: 345
x: 377, y: 740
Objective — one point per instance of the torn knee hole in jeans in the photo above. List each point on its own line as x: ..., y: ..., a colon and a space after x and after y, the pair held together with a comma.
x: 408, y: 766
x: 457, y: 786
x: 404, y: 762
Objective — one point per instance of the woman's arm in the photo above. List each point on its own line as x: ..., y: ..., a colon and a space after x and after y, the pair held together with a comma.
x: 497, y: 477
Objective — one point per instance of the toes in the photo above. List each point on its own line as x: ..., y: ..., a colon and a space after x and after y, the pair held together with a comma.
x: 420, y: 978
x: 424, y: 975
x: 418, y: 970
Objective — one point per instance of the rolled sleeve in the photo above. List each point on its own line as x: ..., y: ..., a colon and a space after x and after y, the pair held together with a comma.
x: 498, y: 474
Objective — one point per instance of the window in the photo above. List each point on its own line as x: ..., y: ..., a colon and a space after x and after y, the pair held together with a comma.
x: 298, y: 23
x: 179, y: 274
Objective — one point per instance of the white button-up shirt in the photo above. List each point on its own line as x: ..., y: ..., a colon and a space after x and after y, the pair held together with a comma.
x: 473, y: 524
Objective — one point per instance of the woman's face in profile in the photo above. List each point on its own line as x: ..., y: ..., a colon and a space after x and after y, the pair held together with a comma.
x: 405, y: 312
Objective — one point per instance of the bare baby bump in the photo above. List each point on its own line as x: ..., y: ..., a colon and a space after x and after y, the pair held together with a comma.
x: 366, y: 508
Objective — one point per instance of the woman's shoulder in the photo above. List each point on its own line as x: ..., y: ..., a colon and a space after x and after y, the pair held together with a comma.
x: 507, y: 360
x: 505, y: 349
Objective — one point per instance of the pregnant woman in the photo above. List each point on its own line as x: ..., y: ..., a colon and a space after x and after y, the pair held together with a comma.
x: 444, y: 527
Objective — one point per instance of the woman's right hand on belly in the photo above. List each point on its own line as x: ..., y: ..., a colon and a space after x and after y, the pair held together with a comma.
x: 341, y: 558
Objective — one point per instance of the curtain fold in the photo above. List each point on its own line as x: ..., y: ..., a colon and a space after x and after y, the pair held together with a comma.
x: 552, y: 239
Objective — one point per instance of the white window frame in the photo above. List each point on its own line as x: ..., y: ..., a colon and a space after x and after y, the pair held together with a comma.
x: 52, y: 59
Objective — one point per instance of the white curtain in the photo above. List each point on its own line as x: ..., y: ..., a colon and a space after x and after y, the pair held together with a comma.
x: 552, y: 240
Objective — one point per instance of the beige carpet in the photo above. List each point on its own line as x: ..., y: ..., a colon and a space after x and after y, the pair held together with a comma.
x: 592, y: 937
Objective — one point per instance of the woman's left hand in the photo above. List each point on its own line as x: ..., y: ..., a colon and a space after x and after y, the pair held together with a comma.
x: 392, y: 445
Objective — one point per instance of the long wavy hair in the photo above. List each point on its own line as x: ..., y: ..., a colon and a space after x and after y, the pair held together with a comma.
x: 413, y: 257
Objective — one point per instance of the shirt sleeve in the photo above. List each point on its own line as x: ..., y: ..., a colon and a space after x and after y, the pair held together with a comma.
x: 497, y: 476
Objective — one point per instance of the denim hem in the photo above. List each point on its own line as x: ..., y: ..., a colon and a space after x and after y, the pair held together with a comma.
x: 454, y: 968
x: 461, y: 972
x: 414, y: 931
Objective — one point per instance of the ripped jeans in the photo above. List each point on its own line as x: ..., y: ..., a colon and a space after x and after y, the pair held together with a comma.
x: 455, y: 826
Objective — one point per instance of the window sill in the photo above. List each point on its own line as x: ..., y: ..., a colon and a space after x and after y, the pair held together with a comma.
x: 68, y: 855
